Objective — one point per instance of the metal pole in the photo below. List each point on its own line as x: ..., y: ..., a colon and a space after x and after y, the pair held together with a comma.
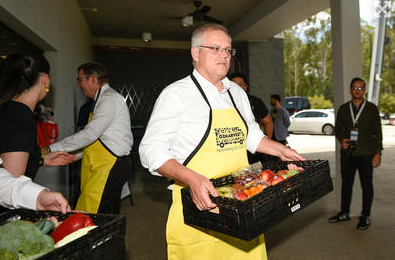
x: 382, y: 12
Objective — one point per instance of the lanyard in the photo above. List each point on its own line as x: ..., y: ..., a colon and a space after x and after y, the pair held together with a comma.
x: 358, y: 114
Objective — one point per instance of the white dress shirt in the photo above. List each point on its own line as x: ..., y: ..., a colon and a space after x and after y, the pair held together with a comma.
x: 110, y: 122
x: 180, y: 118
x: 18, y: 192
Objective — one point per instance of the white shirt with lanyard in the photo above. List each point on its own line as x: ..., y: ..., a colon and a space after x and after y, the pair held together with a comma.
x: 354, y: 131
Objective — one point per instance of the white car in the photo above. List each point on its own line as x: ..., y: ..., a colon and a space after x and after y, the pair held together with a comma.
x: 313, y: 121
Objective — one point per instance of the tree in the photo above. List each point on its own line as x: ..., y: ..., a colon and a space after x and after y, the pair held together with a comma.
x: 387, y: 103
x: 308, y: 57
x: 308, y: 60
x: 319, y: 102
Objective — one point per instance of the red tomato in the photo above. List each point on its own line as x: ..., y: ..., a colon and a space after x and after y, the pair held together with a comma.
x: 266, y: 175
x: 276, y: 179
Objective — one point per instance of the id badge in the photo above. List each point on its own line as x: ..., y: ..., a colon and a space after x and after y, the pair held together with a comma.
x: 354, y: 135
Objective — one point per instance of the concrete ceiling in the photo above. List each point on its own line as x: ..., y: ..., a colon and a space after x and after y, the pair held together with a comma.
x: 247, y: 20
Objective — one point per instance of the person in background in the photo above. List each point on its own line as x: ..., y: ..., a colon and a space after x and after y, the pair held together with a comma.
x: 280, y: 117
x: 181, y: 142
x: 258, y: 107
x: 261, y: 114
x: 358, y: 129
x: 22, y: 192
x: 24, y: 80
x: 107, y: 141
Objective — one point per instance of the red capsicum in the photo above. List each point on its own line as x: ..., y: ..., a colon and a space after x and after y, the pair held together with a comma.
x: 71, y: 224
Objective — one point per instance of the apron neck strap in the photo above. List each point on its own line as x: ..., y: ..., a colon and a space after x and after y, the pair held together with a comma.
x: 94, y: 101
x: 200, y: 89
x: 204, y: 95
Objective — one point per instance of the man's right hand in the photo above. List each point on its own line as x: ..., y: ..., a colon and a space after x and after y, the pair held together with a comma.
x: 345, y: 143
x: 199, y: 185
x: 200, y: 188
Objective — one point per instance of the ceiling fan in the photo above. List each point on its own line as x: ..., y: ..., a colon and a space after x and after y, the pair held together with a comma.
x: 200, y: 14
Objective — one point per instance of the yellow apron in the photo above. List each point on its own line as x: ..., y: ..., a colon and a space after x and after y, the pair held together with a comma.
x: 96, y: 165
x: 221, y: 151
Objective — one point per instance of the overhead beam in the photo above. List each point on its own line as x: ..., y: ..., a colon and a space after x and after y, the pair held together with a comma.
x: 274, y: 16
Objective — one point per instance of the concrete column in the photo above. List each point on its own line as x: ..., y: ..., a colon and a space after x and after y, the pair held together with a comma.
x: 347, y: 63
x: 263, y: 64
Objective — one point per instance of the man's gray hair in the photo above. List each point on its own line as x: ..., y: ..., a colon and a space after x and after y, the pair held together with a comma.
x: 198, y: 34
x: 95, y: 68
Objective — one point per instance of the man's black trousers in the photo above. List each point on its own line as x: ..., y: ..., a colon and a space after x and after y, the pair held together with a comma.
x: 348, y: 170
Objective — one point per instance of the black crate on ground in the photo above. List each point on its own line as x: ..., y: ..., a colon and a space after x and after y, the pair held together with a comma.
x: 107, y: 241
x: 252, y: 217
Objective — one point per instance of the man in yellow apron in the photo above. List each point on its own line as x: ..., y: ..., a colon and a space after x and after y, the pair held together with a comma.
x: 201, y: 128
x: 107, y: 141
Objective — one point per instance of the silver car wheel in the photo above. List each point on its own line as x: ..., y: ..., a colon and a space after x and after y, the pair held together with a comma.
x: 327, y: 129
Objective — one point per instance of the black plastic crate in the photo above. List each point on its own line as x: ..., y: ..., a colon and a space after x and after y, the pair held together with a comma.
x: 107, y: 241
x: 305, y: 187
x: 252, y: 217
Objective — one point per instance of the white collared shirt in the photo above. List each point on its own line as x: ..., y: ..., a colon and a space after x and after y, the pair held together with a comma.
x: 18, y: 192
x: 180, y: 118
x: 110, y: 122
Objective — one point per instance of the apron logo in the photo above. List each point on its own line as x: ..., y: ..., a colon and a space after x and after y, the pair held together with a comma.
x: 229, y: 136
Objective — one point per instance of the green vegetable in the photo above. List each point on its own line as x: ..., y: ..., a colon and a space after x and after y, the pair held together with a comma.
x: 292, y: 172
x: 23, y: 239
x: 45, y: 225
x: 225, y: 191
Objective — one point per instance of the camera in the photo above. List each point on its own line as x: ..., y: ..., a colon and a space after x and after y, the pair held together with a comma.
x: 352, y: 145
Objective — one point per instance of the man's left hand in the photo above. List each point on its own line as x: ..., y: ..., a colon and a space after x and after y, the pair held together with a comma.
x: 376, y: 161
x: 58, y: 158
x: 288, y: 154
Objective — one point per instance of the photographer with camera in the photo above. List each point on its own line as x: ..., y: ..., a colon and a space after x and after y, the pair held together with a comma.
x: 358, y: 129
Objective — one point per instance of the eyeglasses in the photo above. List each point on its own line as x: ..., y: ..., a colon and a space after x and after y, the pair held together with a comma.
x: 217, y: 49
x: 357, y: 87
x: 80, y: 79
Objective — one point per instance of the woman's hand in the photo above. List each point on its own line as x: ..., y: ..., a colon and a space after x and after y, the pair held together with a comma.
x: 58, y: 158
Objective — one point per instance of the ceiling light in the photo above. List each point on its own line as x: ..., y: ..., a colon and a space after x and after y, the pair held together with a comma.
x: 93, y: 9
x: 187, y: 21
x: 146, y: 36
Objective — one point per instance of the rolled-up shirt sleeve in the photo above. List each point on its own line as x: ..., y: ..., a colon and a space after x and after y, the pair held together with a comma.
x: 161, y: 131
x: 101, y: 119
x: 18, y: 192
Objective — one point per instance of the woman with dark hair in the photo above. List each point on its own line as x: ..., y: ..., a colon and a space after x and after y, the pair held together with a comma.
x: 24, y: 80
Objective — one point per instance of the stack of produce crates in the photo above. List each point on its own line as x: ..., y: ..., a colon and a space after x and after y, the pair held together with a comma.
x: 249, y: 218
x: 107, y: 241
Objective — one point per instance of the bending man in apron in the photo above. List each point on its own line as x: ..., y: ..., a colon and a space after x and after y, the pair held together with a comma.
x: 107, y: 141
x: 186, y: 141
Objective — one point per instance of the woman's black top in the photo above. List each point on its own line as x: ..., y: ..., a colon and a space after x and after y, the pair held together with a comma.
x: 18, y: 132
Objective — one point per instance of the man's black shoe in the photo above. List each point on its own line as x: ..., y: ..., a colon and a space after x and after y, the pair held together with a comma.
x: 364, y: 222
x: 339, y: 217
